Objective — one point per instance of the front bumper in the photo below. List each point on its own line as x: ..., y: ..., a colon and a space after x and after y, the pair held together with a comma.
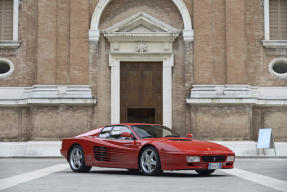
x: 177, y: 161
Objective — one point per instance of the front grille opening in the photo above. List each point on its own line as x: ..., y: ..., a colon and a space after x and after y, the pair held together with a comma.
x: 213, y: 158
x: 190, y: 164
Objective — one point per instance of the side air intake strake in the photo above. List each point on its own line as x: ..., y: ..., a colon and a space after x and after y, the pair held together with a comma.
x: 101, y: 153
x: 108, y: 154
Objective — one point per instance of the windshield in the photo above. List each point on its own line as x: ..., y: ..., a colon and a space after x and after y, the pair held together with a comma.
x: 153, y: 131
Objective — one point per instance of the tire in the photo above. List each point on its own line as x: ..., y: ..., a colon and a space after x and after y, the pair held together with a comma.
x: 150, y: 161
x: 77, y: 160
x: 205, y: 172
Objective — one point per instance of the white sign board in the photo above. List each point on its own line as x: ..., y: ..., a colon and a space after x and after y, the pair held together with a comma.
x: 265, y: 139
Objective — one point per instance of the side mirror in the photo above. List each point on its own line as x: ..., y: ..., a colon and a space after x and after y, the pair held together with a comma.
x: 189, y: 135
x: 126, y: 135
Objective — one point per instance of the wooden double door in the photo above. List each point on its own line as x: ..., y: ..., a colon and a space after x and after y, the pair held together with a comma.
x: 141, y: 92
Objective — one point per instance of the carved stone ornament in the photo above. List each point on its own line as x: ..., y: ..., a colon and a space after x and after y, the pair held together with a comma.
x: 141, y: 47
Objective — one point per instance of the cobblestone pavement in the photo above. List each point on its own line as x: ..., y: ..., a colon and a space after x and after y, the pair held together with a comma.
x: 55, y: 175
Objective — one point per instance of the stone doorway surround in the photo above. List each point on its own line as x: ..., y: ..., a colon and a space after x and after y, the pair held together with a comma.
x: 141, y: 38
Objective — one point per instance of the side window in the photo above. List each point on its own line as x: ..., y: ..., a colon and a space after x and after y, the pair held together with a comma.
x: 278, y: 21
x: 6, y: 24
x: 118, y: 130
x: 105, y: 132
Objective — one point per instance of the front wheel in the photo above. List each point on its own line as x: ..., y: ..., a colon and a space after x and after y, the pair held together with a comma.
x: 77, y: 160
x: 204, y: 172
x: 150, y: 161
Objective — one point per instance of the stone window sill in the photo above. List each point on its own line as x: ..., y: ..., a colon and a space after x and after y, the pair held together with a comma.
x: 10, y: 44
x: 274, y: 43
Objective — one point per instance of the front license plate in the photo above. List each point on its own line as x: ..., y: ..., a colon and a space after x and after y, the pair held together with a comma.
x: 214, y: 165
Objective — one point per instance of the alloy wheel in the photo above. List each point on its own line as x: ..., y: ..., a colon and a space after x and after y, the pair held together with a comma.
x: 149, y: 161
x: 76, y: 158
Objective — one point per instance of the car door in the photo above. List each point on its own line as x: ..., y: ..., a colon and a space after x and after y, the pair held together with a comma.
x: 102, y: 147
x: 124, y: 150
x: 114, y: 150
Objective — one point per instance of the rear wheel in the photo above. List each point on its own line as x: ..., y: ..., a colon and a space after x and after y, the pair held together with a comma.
x: 77, y: 160
x: 150, y: 161
x: 205, y: 172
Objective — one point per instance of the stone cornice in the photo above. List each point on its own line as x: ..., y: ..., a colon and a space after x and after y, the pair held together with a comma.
x: 238, y: 94
x: 120, y: 37
x: 10, y: 44
x: 275, y: 43
x: 47, y: 94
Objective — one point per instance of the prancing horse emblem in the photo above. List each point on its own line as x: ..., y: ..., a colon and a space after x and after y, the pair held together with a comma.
x: 214, y: 159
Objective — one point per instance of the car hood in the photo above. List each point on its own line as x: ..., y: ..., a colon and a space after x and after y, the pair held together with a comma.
x: 194, y: 146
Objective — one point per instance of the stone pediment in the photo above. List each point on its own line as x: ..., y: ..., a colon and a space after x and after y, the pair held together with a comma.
x: 141, y: 25
x: 141, y: 29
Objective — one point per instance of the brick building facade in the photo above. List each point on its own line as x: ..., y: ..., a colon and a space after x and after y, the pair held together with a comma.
x: 223, y: 67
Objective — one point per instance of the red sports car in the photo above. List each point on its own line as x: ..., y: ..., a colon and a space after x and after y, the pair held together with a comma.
x: 145, y: 148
